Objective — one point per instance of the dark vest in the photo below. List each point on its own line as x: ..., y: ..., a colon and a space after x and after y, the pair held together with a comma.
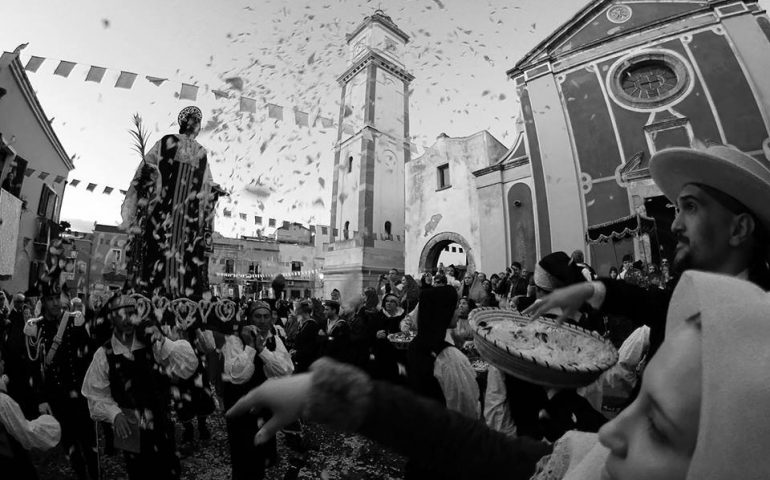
x: 138, y: 384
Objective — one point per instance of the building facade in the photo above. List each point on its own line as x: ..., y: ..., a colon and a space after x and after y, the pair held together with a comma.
x: 442, y: 201
x: 246, y: 266
x: 619, y: 82
x: 33, y: 173
x: 367, y: 212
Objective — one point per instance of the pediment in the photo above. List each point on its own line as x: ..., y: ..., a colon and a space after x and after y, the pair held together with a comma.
x: 603, y: 19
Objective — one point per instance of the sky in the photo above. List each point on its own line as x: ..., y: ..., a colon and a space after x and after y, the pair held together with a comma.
x: 287, y: 52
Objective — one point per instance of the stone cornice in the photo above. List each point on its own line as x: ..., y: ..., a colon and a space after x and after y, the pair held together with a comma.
x: 378, y: 60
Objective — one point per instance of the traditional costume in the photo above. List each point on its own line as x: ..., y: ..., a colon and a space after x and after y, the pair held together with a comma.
x: 338, y: 339
x: 168, y: 212
x: 58, y: 346
x: 244, y: 370
x: 135, y: 381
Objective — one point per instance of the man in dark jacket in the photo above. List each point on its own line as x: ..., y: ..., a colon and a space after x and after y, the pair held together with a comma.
x: 60, y: 359
x: 722, y: 222
x: 337, y: 344
x: 309, y: 340
x: 517, y: 284
x: 17, y: 364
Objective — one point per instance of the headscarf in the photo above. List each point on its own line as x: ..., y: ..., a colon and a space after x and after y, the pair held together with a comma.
x: 437, y: 307
x: 371, y: 300
x: 410, y: 295
x: 732, y: 439
x: 399, y: 310
x: 255, y: 306
x: 555, y: 271
x: 477, y: 292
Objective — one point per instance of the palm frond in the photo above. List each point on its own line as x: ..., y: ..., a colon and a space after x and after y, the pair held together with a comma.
x: 139, y: 136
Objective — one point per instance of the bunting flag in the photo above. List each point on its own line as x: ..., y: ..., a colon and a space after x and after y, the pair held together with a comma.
x: 301, y: 118
x: 155, y: 80
x: 125, y: 80
x: 188, y: 92
x: 108, y: 190
x: 219, y: 94
x: 34, y: 63
x: 95, y: 74
x: 248, y: 105
x: 64, y: 69
x: 275, y: 111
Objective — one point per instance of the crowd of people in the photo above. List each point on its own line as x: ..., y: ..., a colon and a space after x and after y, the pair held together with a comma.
x: 708, y: 335
x: 397, y: 363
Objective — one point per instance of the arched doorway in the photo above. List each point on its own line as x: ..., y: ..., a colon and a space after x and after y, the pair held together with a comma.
x: 432, y: 251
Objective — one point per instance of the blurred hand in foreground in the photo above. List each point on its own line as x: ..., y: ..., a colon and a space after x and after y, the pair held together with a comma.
x: 284, y: 397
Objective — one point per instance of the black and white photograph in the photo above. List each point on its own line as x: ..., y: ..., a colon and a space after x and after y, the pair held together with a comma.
x: 369, y: 240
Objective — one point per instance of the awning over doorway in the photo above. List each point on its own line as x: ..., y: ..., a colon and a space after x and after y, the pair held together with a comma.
x: 621, y: 228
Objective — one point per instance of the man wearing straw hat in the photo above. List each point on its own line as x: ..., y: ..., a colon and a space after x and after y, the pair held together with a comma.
x: 722, y: 196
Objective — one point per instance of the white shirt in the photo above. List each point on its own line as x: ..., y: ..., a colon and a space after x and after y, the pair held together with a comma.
x: 239, y: 360
x: 42, y: 433
x: 177, y: 358
x: 457, y: 379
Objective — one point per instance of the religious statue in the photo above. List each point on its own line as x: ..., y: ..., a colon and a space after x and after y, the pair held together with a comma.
x: 168, y: 214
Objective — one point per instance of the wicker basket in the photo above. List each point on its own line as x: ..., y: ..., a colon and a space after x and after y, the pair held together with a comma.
x: 398, y: 343
x: 532, y: 369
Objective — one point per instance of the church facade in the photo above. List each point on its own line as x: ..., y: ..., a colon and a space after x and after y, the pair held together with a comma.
x: 620, y: 81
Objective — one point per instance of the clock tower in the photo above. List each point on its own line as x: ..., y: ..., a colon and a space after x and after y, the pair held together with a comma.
x: 367, y: 209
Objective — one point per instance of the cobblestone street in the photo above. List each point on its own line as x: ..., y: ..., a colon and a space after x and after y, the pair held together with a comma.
x: 330, y: 456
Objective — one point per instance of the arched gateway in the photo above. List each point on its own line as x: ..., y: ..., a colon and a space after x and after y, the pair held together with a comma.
x: 432, y: 251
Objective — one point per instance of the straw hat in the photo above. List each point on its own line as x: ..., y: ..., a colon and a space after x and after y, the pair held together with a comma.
x: 724, y: 168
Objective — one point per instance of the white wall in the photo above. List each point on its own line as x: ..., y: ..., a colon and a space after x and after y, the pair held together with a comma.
x: 17, y: 119
x: 455, y: 209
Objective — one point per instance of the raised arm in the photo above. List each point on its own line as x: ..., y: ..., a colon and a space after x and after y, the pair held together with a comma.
x: 345, y: 398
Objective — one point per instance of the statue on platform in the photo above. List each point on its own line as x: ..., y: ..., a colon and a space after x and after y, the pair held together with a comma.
x: 168, y: 214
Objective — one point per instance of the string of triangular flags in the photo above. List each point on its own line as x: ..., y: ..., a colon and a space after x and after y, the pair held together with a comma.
x: 264, y: 276
x: 187, y: 91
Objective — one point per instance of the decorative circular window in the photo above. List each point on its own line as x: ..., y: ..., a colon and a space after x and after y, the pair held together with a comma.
x: 649, y: 80
x: 619, y: 13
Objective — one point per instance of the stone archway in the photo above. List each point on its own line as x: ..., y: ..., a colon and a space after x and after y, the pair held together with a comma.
x: 432, y: 251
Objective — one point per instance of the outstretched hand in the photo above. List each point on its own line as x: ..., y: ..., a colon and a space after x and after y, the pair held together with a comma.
x: 568, y: 300
x: 284, y: 397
